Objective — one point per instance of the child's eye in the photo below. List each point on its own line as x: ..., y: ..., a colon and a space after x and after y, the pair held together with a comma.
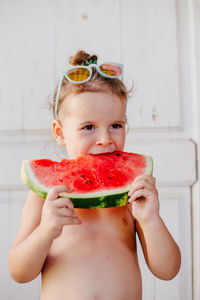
x: 88, y: 127
x: 116, y: 126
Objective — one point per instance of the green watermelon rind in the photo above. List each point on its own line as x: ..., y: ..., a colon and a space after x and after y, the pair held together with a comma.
x: 100, y: 199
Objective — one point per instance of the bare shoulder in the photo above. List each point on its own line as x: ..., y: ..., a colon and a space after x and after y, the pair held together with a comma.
x: 31, y: 216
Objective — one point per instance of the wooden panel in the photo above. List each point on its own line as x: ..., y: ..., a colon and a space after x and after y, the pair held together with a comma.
x: 175, y: 209
x: 150, y: 54
x: 150, y: 57
x: 27, y: 48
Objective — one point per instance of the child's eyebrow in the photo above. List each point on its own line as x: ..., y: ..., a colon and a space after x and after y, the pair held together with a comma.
x: 86, y: 122
x: 120, y: 121
x: 92, y: 122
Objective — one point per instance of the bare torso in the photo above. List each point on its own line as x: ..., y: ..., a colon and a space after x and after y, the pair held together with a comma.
x: 94, y: 260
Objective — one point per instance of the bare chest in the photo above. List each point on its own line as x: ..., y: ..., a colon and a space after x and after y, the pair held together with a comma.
x: 100, y: 254
x: 100, y: 232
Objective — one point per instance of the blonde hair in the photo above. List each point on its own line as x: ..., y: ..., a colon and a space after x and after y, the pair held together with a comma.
x: 97, y: 83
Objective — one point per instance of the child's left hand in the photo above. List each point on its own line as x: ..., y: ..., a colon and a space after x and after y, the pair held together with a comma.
x: 144, y: 198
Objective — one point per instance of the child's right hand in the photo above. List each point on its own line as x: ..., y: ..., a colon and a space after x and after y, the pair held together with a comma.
x: 57, y: 212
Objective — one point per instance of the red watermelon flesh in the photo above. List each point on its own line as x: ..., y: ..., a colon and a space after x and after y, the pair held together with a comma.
x: 90, y: 177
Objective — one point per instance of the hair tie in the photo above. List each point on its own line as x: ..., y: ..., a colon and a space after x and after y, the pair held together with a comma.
x: 91, y: 61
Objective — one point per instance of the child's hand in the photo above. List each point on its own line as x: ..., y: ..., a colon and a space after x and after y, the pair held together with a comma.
x: 57, y: 212
x: 144, y: 198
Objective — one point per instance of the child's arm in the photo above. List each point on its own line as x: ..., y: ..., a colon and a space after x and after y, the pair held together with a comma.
x: 42, y: 222
x: 160, y: 250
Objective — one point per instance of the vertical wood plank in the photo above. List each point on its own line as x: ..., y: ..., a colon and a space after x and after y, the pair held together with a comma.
x: 150, y: 55
x: 28, y: 50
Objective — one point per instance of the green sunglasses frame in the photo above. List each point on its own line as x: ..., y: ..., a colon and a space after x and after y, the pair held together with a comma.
x: 89, y: 68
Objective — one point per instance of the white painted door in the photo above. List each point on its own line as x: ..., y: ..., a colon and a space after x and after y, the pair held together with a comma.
x: 158, y: 43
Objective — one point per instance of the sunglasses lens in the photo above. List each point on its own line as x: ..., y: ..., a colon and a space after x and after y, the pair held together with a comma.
x: 78, y: 74
x: 111, y: 69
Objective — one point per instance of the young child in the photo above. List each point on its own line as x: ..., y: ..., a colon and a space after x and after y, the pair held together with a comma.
x: 91, y: 253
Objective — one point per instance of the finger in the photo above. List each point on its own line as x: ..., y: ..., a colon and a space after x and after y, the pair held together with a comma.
x: 140, y: 185
x: 55, y: 191
x: 145, y: 177
x: 66, y: 212
x: 64, y: 202
x: 138, y: 194
x: 70, y: 221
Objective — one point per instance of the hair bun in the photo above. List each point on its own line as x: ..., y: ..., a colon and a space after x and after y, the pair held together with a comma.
x: 80, y: 58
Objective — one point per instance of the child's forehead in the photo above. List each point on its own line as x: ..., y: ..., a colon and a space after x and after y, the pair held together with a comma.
x: 94, y: 100
x: 95, y: 105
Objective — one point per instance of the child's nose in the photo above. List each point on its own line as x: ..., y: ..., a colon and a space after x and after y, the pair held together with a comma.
x: 104, y: 138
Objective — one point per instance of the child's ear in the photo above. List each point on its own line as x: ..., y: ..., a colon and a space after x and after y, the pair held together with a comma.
x: 58, y: 133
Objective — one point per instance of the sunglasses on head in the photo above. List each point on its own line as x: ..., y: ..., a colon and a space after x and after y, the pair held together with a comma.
x: 81, y: 74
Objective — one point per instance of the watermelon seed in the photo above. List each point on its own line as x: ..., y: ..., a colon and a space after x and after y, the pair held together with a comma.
x: 109, y: 178
x: 118, y: 154
x: 82, y: 175
x: 89, y: 182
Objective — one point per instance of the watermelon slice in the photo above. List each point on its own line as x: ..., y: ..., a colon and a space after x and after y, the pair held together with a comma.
x: 96, y: 180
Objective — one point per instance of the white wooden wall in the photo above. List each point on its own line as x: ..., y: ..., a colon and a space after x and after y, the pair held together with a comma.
x: 158, y: 42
